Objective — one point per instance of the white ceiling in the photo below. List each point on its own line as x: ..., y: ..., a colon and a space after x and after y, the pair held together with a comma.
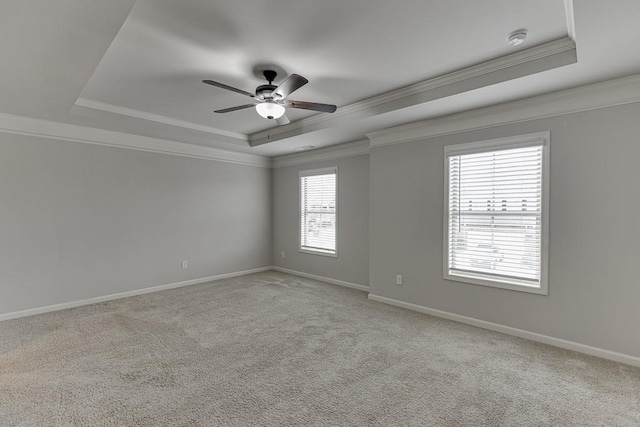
x: 137, y: 66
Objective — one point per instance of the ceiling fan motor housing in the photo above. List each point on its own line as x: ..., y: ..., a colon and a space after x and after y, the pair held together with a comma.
x: 265, y: 91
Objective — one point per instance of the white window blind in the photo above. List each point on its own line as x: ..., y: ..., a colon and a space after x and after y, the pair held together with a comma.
x: 496, y: 208
x: 318, y: 211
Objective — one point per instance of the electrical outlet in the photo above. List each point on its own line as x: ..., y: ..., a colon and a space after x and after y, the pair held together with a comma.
x: 185, y: 264
x: 398, y: 279
x: 282, y: 254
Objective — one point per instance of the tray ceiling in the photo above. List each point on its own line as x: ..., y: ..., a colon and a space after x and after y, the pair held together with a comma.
x: 136, y: 66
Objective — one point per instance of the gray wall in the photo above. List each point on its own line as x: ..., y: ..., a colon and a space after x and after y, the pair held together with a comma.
x: 594, y: 290
x: 79, y: 221
x: 352, y: 263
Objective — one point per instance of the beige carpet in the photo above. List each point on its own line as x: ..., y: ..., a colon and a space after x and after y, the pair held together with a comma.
x: 274, y: 349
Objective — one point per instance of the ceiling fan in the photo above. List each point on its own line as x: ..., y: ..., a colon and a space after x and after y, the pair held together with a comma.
x: 270, y: 101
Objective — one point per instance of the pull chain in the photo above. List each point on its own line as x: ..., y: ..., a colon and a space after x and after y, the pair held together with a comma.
x: 269, y: 128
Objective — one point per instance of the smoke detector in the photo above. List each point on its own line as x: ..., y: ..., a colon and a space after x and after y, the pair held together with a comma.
x: 517, y: 37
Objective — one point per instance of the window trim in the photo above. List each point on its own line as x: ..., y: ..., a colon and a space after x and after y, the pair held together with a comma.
x: 519, y: 141
x: 313, y: 172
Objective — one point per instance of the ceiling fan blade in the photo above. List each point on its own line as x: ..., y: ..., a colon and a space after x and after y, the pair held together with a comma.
x: 230, y: 109
x: 227, y: 87
x: 284, y: 120
x: 290, y: 85
x: 325, y: 108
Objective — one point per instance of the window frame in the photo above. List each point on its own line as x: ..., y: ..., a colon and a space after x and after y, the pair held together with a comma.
x: 519, y: 141
x: 314, y: 172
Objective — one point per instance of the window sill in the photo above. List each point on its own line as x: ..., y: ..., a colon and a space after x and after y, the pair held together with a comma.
x: 327, y: 254
x: 479, y: 280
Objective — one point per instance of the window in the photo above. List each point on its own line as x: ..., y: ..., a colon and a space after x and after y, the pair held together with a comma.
x: 496, y: 209
x: 318, y: 211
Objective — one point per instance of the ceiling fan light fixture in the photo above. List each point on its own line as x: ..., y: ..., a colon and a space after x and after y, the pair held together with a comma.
x: 270, y: 110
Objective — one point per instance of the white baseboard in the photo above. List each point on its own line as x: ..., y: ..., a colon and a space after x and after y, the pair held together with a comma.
x: 94, y: 300
x: 557, y: 342
x: 533, y: 336
x: 323, y: 279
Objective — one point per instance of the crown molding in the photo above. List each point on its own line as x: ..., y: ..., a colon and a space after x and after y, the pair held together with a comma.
x: 528, y: 61
x: 20, y: 125
x: 610, y: 93
x: 116, y: 109
x: 355, y: 148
